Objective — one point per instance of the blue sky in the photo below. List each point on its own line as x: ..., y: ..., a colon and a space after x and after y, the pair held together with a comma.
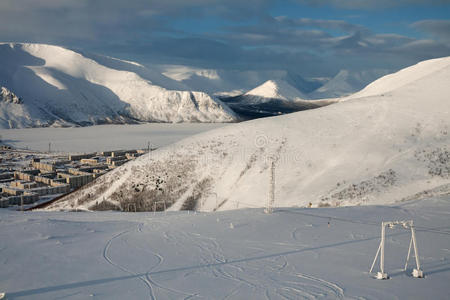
x: 312, y: 38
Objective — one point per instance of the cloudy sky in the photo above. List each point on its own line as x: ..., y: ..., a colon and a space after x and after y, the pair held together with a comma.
x: 313, y: 38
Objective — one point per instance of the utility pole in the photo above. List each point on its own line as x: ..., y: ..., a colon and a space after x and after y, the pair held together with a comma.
x: 271, y: 198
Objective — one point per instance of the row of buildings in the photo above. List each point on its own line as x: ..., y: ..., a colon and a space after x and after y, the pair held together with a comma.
x: 32, y: 178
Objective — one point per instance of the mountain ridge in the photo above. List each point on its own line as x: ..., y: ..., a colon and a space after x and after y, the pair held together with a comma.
x: 59, y: 85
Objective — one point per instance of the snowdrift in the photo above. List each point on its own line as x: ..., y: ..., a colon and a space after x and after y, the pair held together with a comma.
x: 387, y: 143
x: 60, y: 86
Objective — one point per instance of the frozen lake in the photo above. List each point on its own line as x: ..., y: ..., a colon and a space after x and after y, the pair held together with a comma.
x: 103, y: 137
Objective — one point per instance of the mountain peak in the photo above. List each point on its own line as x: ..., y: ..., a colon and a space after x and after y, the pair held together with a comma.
x: 277, y: 89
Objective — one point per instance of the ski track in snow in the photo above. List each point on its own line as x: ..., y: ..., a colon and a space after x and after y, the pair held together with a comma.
x: 248, y: 277
x: 150, y: 283
x: 159, y: 285
x: 175, y: 256
x: 147, y: 283
x: 337, y: 291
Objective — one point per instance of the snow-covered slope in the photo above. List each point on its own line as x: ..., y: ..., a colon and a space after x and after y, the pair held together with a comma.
x: 376, y: 149
x: 60, y: 85
x: 346, y: 82
x: 409, y: 76
x: 246, y: 254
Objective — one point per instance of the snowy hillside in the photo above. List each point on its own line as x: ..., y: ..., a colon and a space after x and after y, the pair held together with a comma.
x: 346, y: 82
x: 409, y: 76
x: 372, y: 150
x: 246, y: 254
x: 58, y: 85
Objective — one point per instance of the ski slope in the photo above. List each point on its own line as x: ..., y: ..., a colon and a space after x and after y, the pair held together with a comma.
x: 374, y: 149
x: 61, y: 87
x: 242, y: 254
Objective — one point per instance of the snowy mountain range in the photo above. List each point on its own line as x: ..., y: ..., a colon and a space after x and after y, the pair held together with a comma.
x: 384, y: 144
x: 61, y: 87
x: 274, y: 97
x: 234, y: 82
x: 229, y: 83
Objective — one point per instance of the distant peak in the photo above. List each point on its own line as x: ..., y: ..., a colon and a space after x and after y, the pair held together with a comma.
x: 278, y: 89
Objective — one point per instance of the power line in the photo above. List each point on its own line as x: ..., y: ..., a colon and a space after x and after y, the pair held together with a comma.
x: 354, y: 221
x: 418, y: 228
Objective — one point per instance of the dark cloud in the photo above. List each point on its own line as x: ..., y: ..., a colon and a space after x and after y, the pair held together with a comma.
x: 436, y: 28
x: 252, y: 39
x: 371, y: 4
x: 322, y: 24
x: 66, y: 20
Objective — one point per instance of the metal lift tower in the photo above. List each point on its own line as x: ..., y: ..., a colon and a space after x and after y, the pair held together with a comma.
x: 417, y: 272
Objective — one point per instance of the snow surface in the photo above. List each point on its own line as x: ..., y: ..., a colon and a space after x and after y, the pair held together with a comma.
x: 102, y: 137
x: 244, y: 254
x: 408, y: 76
x: 372, y: 150
x: 62, y: 86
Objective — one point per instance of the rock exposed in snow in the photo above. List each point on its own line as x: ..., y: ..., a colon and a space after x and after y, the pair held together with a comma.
x: 9, y: 97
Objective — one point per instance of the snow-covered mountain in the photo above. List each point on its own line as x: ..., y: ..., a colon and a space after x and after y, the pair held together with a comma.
x: 233, y: 82
x: 346, y: 82
x: 230, y: 83
x: 62, y: 86
x: 388, y: 143
x: 274, y: 89
x: 272, y: 98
